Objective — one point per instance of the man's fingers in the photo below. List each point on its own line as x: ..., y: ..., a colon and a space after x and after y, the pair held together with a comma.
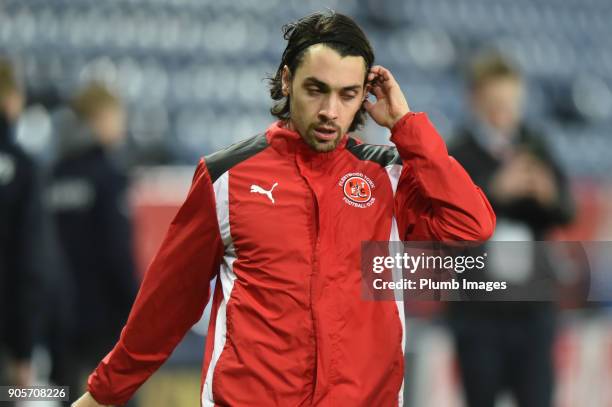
x: 377, y: 91
x: 379, y: 70
x: 382, y: 72
x: 382, y: 78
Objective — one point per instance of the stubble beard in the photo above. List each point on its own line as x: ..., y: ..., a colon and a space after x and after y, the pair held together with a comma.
x: 321, y: 146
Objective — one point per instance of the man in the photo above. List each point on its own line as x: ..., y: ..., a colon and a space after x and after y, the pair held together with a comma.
x: 275, y: 219
x: 507, y: 158
x: 87, y: 195
x: 509, y: 345
x: 21, y: 214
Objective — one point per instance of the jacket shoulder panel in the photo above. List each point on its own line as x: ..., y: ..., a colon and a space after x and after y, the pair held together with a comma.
x: 223, y: 160
x: 383, y: 155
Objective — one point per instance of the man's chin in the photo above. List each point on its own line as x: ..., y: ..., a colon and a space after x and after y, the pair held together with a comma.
x: 323, y: 146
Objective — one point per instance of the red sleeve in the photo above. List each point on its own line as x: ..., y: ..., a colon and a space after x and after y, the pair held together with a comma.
x: 436, y: 198
x: 172, y: 297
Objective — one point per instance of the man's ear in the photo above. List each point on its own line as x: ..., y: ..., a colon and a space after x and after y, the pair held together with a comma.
x: 285, y: 80
x: 366, y: 91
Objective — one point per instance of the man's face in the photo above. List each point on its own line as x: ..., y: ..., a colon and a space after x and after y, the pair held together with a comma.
x: 11, y: 105
x: 499, y: 103
x: 108, y: 125
x: 326, y: 92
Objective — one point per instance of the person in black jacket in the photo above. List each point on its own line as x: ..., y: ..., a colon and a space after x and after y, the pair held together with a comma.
x: 21, y: 214
x: 508, y: 345
x: 88, y: 198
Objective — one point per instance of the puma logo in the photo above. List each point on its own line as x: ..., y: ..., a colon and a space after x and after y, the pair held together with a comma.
x: 259, y: 190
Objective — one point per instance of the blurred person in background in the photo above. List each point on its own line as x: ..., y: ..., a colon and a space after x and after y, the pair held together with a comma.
x: 21, y: 219
x: 508, y: 346
x: 88, y: 196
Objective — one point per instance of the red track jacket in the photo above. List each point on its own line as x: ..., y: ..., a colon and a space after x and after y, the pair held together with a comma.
x: 281, y: 226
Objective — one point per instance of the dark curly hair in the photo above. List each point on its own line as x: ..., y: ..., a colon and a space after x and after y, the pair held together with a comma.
x: 335, y: 30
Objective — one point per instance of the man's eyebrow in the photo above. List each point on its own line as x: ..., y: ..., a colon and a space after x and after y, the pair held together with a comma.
x: 311, y: 80
x: 352, y: 87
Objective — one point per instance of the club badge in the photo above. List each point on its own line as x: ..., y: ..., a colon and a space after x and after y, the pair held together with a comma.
x: 357, y: 190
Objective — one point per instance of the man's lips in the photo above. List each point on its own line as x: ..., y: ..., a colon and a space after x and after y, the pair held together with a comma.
x: 325, y: 133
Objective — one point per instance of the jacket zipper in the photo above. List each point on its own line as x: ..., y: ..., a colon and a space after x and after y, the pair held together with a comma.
x: 315, y: 242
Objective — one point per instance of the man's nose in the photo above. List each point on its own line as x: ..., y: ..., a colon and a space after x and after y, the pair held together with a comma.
x: 329, y: 110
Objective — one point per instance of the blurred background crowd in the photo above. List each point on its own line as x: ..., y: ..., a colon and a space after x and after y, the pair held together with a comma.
x: 105, y: 108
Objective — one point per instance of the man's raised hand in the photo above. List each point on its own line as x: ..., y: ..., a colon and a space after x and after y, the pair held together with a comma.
x: 390, y: 104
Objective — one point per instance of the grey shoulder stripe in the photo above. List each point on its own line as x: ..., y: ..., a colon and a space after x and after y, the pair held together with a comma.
x: 383, y: 155
x: 223, y: 160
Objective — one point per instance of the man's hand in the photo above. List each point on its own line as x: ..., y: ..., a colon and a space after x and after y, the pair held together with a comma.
x: 86, y: 400
x: 524, y: 176
x: 390, y: 105
x: 543, y: 184
x: 512, y: 180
